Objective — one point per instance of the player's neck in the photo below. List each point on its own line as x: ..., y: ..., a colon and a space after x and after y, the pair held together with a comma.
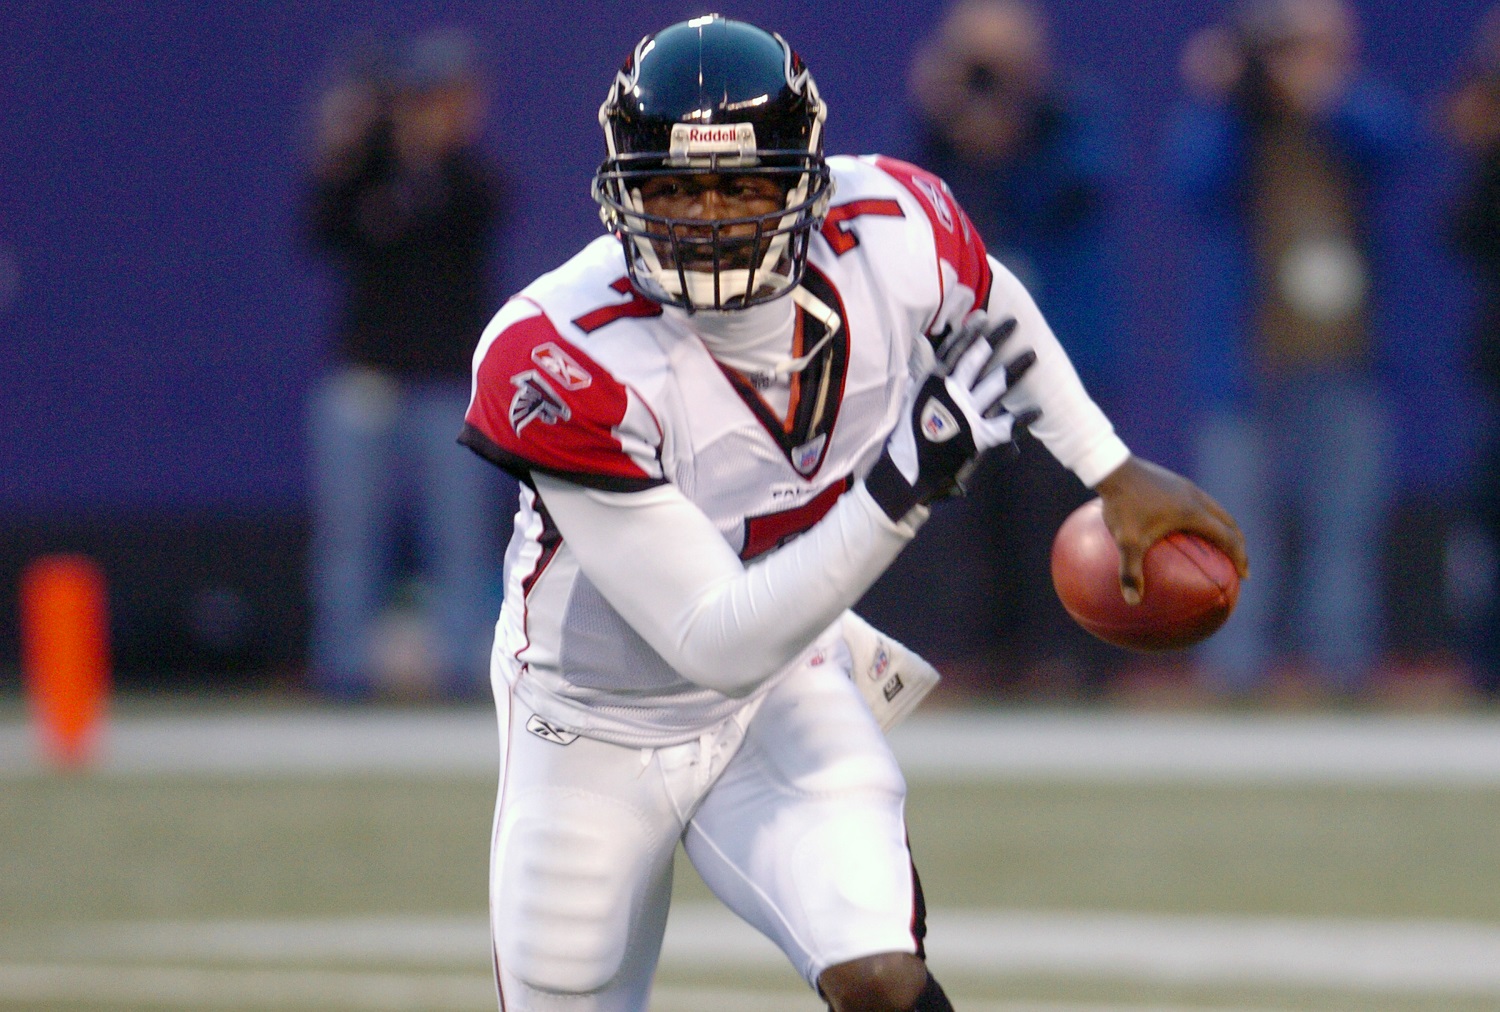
x: 754, y: 340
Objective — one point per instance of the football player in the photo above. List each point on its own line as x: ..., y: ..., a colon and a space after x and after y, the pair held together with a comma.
x: 729, y: 415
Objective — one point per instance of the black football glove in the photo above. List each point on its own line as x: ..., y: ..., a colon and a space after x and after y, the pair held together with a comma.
x: 950, y: 417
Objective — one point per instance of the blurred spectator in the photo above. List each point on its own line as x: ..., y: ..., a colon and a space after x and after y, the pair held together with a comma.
x: 404, y: 206
x: 1284, y: 148
x: 1472, y: 122
x: 1033, y: 164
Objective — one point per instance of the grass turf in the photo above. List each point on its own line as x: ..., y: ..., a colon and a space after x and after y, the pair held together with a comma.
x: 82, y: 850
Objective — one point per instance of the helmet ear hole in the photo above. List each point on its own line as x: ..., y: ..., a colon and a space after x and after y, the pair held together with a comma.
x: 713, y: 96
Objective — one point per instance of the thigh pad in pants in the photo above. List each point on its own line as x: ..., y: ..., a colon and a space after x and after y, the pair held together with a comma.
x: 582, y: 863
x: 573, y: 864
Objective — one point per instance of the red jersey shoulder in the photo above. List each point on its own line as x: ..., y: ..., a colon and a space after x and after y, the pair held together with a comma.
x: 958, y: 242
x: 543, y: 403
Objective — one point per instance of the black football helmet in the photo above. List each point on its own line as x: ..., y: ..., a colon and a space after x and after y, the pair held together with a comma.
x: 713, y: 96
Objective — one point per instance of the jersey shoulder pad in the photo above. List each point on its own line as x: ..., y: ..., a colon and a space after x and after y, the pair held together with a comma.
x: 540, y: 402
x: 958, y: 244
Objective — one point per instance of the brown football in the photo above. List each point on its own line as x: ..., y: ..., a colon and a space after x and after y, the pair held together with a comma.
x: 1191, y: 585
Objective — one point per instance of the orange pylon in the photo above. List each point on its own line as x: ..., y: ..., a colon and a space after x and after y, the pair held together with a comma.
x: 65, y: 655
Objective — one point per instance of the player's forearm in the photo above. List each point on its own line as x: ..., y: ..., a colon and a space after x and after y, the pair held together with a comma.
x: 669, y: 573
x: 790, y: 596
x: 1071, y: 426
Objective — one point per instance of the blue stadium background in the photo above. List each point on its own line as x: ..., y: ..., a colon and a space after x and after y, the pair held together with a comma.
x: 161, y: 326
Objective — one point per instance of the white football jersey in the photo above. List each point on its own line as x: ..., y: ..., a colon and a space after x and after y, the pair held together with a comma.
x: 581, y: 378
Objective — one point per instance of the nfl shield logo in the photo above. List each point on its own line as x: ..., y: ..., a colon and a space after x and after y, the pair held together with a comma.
x: 809, y: 455
x: 938, y: 424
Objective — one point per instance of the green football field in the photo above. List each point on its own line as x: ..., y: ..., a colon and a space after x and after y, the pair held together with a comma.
x: 1251, y: 873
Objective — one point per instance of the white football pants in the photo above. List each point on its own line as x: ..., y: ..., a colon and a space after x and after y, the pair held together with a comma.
x: 791, y: 811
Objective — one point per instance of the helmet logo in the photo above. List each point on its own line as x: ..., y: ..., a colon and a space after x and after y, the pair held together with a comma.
x: 691, y: 142
x: 560, y: 366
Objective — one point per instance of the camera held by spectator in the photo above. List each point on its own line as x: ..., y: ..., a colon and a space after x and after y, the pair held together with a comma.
x: 413, y: 102
x: 983, y: 78
x: 1274, y: 58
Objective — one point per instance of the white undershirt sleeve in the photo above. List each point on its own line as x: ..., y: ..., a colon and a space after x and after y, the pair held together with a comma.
x: 660, y: 562
x: 1072, y: 427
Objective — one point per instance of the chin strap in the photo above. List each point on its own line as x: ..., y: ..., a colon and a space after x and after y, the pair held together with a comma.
x: 818, y: 310
x: 785, y: 368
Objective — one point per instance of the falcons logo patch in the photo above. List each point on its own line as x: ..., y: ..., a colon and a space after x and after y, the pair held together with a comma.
x: 535, y: 399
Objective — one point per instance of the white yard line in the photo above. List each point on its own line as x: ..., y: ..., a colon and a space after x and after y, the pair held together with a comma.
x: 188, y: 988
x: 1375, y: 956
x: 1204, y: 748
x: 676, y: 999
x: 311, y: 741
x: 365, y: 992
x: 1431, y: 957
x: 1382, y: 956
x: 964, y: 745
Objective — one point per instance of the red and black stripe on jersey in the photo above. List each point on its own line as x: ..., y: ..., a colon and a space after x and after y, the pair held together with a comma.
x: 549, y: 540
x: 817, y: 391
x: 958, y: 242
x: 541, y: 404
x: 772, y: 530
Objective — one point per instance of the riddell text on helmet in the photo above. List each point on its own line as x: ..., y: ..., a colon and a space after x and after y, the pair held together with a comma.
x: 693, y: 139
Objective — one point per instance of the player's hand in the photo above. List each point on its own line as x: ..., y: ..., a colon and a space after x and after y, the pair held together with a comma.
x: 950, y: 417
x: 1144, y: 502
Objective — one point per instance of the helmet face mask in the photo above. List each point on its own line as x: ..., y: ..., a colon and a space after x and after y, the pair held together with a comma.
x: 704, y: 103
